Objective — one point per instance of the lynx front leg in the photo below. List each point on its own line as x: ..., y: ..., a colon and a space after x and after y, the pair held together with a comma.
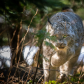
x: 49, y: 71
x: 67, y: 68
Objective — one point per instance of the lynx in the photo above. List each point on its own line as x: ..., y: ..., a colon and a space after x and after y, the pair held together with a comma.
x: 67, y: 30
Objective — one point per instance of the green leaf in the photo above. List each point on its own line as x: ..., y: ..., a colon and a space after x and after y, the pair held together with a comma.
x: 49, y: 44
x: 52, y: 38
x: 40, y: 36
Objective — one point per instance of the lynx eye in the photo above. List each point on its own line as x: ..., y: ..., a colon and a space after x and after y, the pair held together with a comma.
x: 64, y: 36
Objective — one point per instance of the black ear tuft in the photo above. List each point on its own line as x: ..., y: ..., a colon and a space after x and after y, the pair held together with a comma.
x: 49, y: 21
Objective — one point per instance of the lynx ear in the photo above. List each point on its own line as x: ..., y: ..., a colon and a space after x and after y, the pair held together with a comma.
x: 49, y: 26
x: 49, y: 22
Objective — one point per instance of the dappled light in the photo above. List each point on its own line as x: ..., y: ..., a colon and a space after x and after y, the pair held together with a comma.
x: 36, y: 38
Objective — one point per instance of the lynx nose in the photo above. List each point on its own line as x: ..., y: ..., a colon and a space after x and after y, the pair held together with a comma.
x: 60, y: 45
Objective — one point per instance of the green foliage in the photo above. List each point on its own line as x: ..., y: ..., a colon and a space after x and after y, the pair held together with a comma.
x: 30, y: 81
x: 76, y: 79
x: 51, y: 82
x: 12, y: 8
x: 52, y: 38
x: 49, y: 44
x: 44, y: 6
x: 40, y: 36
x: 46, y: 3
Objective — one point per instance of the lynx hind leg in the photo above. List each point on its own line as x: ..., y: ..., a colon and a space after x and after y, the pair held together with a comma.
x: 49, y: 71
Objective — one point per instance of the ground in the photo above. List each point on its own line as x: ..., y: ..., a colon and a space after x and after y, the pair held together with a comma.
x: 24, y: 74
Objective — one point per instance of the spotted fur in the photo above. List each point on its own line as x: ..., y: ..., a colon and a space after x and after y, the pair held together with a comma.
x: 68, y: 29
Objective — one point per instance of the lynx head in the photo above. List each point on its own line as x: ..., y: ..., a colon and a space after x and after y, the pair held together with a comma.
x: 63, y: 32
